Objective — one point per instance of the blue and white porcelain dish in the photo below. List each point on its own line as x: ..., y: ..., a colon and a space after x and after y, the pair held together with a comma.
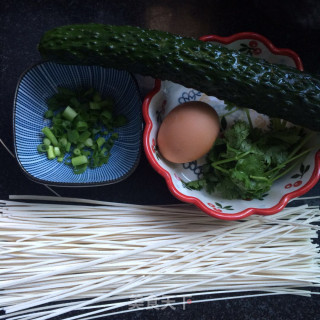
x: 37, y: 85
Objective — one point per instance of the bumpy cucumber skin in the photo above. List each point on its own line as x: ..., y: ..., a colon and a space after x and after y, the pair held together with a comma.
x: 274, y: 90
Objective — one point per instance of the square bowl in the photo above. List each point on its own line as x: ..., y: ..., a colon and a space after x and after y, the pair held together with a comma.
x: 37, y: 85
x: 167, y: 95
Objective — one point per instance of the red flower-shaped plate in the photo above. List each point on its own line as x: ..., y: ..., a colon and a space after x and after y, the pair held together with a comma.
x: 166, y: 95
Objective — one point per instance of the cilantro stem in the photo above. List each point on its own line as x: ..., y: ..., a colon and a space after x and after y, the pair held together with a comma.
x: 284, y: 172
x: 289, y: 160
x: 260, y: 178
x: 248, y: 117
x: 230, y: 112
x: 292, y: 166
x: 230, y: 159
x: 220, y: 169
x: 301, y: 144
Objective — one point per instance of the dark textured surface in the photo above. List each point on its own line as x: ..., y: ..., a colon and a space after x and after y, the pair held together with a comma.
x: 291, y: 24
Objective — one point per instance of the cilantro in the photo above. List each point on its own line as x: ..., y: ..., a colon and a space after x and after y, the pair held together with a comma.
x: 245, y: 161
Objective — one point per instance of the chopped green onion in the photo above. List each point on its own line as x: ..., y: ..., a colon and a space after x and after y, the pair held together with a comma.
x: 100, y: 141
x: 88, y: 142
x: 94, y: 105
x: 46, y: 141
x: 81, y: 126
x: 50, y: 153
x: 115, y: 136
x: 63, y: 141
x: 79, y: 160
x: 106, y: 115
x: 69, y: 113
x: 73, y: 136
x: 80, y: 145
x: 81, y: 121
x: 95, y: 131
x: 48, y: 133
x: 42, y: 148
x: 77, y: 151
x: 80, y: 169
x: 86, y: 152
x: 49, y: 114
x: 75, y: 102
x: 57, y: 151
x: 84, y: 136
x: 68, y: 146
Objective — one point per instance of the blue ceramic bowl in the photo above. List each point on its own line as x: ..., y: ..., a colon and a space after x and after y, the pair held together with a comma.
x: 39, y: 83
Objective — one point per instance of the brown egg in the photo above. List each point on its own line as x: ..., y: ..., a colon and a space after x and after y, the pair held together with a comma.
x: 188, y: 132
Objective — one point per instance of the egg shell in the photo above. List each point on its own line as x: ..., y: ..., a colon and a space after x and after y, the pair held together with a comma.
x: 188, y: 132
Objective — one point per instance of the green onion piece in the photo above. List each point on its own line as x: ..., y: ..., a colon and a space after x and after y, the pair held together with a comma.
x: 63, y: 141
x: 50, y: 153
x: 66, y: 124
x: 95, y: 131
x: 77, y: 151
x: 57, y: 151
x: 115, y: 136
x: 80, y: 169
x: 84, y: 136
x: 106, y: 115
x: 79, y: 160
x: 75, y: 102
x: 57, y: 121
x: 94, y: 105
x: 88, y: 142
x: 49, y: 114
x: 68, y: 146
x: 42, y: 148
x: 73, y: 136
x: 100, y: 141
x: 46, y: 141
x: 69, y: 113
x: 80, y: 145
x: 48, y: 133
x: 81, y: 126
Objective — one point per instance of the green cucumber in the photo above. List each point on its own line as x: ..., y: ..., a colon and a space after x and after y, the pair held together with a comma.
x: 274, y: 90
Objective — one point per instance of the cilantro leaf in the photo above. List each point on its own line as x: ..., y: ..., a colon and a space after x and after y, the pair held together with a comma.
x: 245, y: 161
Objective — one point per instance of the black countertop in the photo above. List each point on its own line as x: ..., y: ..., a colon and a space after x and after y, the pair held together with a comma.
x: 288, y: 24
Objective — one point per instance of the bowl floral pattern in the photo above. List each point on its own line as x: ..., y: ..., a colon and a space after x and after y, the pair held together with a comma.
x: 167, y: 95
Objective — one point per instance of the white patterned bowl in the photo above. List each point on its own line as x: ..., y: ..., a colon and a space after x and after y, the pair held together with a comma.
x: 167, y: 95
x: 38, y: 84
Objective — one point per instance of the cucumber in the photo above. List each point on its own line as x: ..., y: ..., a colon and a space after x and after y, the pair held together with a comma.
x: 274, y: 90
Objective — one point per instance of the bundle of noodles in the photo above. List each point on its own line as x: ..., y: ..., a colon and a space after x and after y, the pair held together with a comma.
x: 102, y: 258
